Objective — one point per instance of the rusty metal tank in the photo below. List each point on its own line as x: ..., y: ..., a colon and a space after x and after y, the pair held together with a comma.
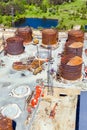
x: 74, y: 48
x: 25, y: 33
x: 76, y: 35
x: 5, y: 123
x: 49, y: 37
x: 14, y: 45
x: 71, y: 66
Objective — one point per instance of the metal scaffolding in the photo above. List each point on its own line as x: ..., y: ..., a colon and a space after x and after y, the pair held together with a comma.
x: 49, y: 76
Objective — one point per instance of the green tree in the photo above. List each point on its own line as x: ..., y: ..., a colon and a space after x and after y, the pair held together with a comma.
x: 45, y: 5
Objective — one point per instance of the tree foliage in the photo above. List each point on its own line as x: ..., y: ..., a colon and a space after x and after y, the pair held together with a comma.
x: 7, y: 5
x: 19, y: 5
x: 16, y: 9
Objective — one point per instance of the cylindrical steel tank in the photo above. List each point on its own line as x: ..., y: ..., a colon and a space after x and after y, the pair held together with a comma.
x: 5, y: 123
x: 25, y: 33
x: 14, y: 45
x: 71, y: 67
x: 74, y: 48
x: 49, y: 37
x: 76, y: 35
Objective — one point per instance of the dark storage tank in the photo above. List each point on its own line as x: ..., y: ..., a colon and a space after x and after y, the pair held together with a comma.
x: 71, y: 67
x: 25, y: 33
x: 76, y: 35
x: 49, y: 37
x: 75, y: 48
x: 14, y: 45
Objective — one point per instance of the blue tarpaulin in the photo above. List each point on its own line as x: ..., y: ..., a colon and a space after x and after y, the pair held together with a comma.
x: 83, y: 111
x: 77, y: 113
x: 85, y: 27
